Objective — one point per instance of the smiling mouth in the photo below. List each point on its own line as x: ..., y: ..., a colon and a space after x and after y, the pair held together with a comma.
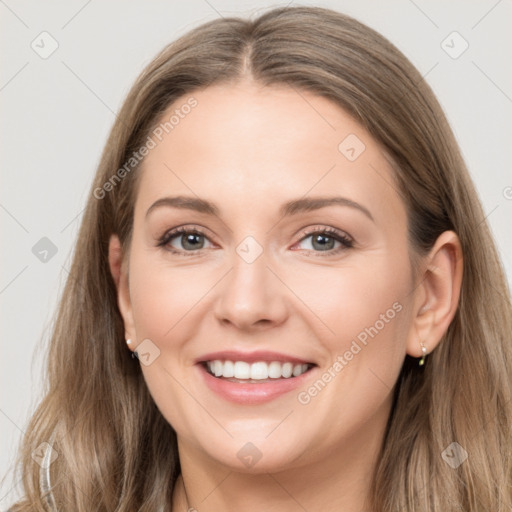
x: 257, y: 372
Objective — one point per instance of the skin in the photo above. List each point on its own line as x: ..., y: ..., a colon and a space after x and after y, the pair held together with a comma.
x: 249, y: 149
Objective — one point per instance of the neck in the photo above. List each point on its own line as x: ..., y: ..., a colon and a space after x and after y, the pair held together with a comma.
x: 287, y: 492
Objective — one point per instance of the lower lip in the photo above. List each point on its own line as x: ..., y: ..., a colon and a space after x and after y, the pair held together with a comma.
x: 254, y: 393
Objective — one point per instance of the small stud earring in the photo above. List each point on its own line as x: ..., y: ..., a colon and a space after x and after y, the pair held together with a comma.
x: 424, y: 354
x: 128, y: 342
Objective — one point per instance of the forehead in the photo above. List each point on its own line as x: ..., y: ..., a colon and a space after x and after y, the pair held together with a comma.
x: 250, y: 145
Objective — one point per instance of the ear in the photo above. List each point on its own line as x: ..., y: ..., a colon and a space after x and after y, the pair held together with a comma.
x: 437, y: 295
x: 119, y: 270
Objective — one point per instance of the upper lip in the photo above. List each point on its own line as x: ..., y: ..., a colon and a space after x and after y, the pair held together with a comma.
x: 251, y: 357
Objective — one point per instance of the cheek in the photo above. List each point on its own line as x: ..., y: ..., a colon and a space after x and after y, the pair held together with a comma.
x: 162, y: 297
x: 364, y: 317
x: 164, y: 302
x: 352, y: 297
x: 361, y: 315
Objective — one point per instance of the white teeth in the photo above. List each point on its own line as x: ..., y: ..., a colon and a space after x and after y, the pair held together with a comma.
x: 259, y: 371
x: 229, y: 369
x: 256, y: 371
x: 287, y: 370
x: 299, y: 369
x: 242, y: 370
x: 274, y: 370
x: 217, y: 368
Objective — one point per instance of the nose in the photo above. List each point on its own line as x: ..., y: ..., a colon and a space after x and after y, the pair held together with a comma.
x: 251, y: 296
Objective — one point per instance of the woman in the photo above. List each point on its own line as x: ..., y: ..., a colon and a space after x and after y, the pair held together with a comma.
x: 283, y: 235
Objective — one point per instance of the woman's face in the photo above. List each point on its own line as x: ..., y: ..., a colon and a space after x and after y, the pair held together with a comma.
x: 294, y: 257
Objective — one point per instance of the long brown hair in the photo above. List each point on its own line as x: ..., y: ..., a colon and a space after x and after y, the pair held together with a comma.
x: 116, y: 451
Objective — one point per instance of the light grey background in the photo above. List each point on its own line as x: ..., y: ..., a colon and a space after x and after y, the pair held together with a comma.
x: 57, y: 112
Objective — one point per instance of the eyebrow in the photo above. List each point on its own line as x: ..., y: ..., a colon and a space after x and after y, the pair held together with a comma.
x: 288, y: 209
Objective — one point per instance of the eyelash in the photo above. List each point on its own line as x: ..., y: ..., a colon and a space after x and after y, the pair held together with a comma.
x: 346, y: 241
